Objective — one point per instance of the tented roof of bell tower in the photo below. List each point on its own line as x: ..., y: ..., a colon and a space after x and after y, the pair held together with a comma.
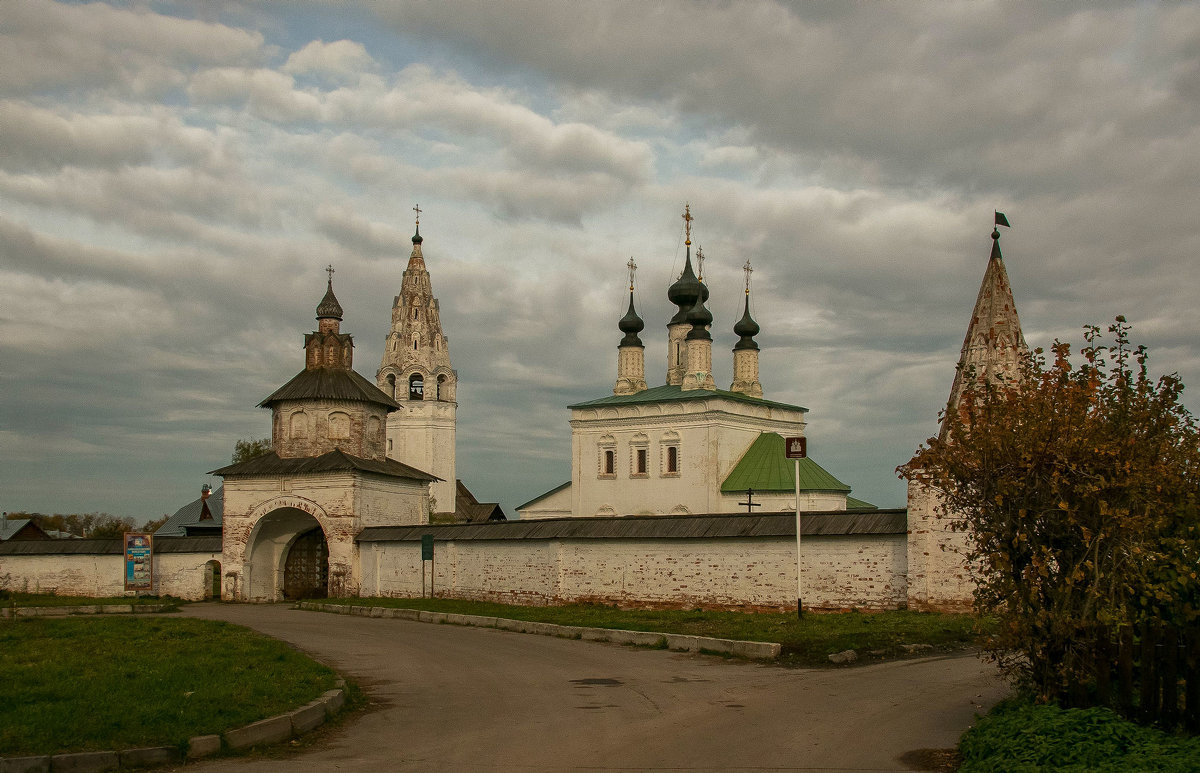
x: 994, y: 344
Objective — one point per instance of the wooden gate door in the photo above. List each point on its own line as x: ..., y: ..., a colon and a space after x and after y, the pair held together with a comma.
x: 306, y: 569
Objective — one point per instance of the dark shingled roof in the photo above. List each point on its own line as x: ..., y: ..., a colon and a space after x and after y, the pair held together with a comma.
x: 672, y: 393
x: 823, y: 524
x: 336, y: 460
x: 189, y: 516
x: 107, y: 546
x: 330, y: 384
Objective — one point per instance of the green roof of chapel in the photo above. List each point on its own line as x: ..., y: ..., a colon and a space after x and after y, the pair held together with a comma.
x: 765, y: 468
x: 672, y: 393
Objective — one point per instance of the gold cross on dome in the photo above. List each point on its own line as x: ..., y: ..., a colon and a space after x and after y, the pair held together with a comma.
x: 632, y: 269
x: 417, y: 209
x: 687, y: 222
x: 329, y: 270
x: 700, y: 262
x: 748, y: 271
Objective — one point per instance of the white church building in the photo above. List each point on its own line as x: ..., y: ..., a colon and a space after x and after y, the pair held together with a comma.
x: 686, y: 447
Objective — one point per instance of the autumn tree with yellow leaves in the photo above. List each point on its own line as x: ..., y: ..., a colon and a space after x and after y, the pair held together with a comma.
x: 1078, y: 487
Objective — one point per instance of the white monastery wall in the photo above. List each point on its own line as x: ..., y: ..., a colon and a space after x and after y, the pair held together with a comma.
x: 84, y: 574
x: 861, y: 571
x: 938, y: 574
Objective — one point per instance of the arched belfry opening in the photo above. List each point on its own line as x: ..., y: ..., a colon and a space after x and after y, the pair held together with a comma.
x: 288, y: 557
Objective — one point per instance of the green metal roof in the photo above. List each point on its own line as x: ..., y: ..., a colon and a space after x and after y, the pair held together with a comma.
x: 670, y: 393
x: 853, y: 503
x: 765, y: 468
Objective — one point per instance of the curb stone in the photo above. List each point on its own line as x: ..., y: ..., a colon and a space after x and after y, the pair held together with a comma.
x: 754, y: 650
x: 84, y: 609
x: 84, y: 762
x: 203, y: 746
x: 25, y: 765
x: 267, y: 731
x: 150, y: 756
x: 308, y: 717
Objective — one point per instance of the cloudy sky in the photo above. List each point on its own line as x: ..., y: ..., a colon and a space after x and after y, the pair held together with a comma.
x: 175, y: 176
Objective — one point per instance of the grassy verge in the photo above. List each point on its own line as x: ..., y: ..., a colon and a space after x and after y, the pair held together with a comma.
x: 11, y: 599
x: 1018, y: 736
x: 74, y: 684
x: 807, y: 642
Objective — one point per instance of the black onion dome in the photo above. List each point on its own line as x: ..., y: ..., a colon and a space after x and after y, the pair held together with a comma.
x: 417, y: 236
x: 685, y: 291
x: 700, y: 318
x: 329, y: 308
x: 631, y: 324
x: 747, y: 328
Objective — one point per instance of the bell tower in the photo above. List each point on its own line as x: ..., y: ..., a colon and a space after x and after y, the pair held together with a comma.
x: 416, y: 373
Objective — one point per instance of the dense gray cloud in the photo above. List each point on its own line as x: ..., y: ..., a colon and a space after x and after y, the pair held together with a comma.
x: 175, y: 177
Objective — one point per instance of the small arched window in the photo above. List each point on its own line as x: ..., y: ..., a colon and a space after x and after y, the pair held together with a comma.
x: 441, y: 386
x: 391, y: 383
x: 672, y: 459
x: 416, y: 387
x: 339, y: 425
x: 610, y: 462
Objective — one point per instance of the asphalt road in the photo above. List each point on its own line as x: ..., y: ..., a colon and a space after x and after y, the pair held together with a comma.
x: 449, y: 698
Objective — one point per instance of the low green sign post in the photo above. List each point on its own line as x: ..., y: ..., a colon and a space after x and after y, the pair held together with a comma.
x: 426, y: 555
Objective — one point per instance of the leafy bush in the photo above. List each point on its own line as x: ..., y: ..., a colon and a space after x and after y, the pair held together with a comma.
x: 1018, y: 736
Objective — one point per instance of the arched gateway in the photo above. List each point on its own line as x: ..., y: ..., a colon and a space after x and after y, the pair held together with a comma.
x: 291, y: 515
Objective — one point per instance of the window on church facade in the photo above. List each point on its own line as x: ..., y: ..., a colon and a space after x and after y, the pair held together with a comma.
x: 339, y: 425
x: 299, y: 424
x: 672, y: 460
x: 416, y: 387
x: 639, y: 446
x: 607, y: 461
x: 441, y: 386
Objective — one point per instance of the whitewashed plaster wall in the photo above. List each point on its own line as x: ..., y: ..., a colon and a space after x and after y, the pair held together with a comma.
x: 711, y: 434
x: 939, y: 577
x: 422, y: 435
x: 862, y: 571
x: 175, y: 574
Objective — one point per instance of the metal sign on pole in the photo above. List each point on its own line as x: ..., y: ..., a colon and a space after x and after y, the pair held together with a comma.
x: 797, y: 448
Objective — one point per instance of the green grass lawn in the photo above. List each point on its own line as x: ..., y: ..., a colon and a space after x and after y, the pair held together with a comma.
x: 82, y: 684
x: 1018, y: 736
x: 806, y: 642
x: 10, y: 599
